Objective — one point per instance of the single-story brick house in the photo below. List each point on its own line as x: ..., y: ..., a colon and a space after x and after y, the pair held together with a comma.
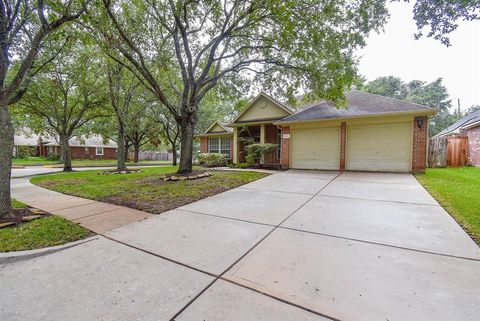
x: 374, y: 133
x: 93, y: 147
x: 468, y: 127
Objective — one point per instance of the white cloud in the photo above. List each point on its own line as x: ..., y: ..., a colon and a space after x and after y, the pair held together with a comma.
x: 395, y: 52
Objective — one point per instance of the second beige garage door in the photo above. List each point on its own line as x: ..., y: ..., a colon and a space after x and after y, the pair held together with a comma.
x: 316, y: 148
x: 385, y: 147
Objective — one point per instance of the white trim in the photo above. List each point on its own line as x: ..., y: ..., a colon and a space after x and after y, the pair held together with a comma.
x: 97, y: 153
x: 227, y: 130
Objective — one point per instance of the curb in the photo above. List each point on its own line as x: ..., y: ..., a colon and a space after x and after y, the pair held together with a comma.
x: 43, y: 251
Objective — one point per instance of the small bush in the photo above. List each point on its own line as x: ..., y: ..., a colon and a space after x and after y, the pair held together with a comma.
x: 212, y: 159
x: 22, y: 152
x: 239, y: 165
x: 256, y: 152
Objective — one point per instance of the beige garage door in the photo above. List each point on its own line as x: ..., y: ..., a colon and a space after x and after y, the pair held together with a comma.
x: 316, y: 148
x: 385, y: 147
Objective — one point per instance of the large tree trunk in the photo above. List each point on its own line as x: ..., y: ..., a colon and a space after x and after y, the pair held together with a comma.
x: 136, y: 152
x: 121, y: 155
x: 6, y: 154
x: 186, y: 148
x: 66, y: 154
x: 126, y: 152
x: 174, y: 154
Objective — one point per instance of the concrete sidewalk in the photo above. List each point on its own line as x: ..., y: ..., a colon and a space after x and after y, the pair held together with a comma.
x: 96, y: 216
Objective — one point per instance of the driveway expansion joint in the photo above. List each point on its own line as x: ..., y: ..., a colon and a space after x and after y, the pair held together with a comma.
x: 377, y: 200
x: 275, y: 227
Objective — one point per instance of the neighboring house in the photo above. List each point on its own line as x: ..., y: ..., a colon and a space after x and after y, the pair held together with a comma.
x: 374, y: 133
x: 26, y: 145
x: 93, y: 147
x: 469, y: 128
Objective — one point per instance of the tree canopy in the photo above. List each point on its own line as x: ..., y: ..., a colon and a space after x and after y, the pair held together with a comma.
x: 181, y: 50
x: 440, y: 17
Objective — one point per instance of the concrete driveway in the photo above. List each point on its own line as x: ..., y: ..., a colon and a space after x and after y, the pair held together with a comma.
x: 297, y: 245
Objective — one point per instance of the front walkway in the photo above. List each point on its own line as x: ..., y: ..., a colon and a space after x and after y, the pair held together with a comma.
x: 96, y: 216
x: 296, y: 245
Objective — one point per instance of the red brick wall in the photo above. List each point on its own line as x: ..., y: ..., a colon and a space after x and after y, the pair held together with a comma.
x: 271, y: 138
x: 343, y: 139
x: 285, y: 161
x: 203, y: 144
x: 419, y: 150
x: 474, y: 146
x: 89, y: 153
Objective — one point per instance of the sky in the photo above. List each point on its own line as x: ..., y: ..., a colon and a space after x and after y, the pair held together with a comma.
x: 395, y: 52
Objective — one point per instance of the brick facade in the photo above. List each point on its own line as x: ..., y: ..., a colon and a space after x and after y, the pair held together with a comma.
x: 285, y: 160
x: 343, y: 145
x: 473, y: 154
x: 271, y: 138
x: 89, y: 152
x: 420, y: 140
x: 203, y: 144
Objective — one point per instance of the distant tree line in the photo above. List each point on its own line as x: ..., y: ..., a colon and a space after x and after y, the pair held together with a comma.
x: 433, y: 94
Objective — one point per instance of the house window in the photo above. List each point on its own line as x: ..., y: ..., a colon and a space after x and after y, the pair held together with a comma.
x: 219, y: 145
x: 213, y: 145
x: 225, y: 146
x: 99, y: 151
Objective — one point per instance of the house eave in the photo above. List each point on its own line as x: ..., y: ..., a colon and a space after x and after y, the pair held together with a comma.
x: 429, y: 112
x: 215, y: 134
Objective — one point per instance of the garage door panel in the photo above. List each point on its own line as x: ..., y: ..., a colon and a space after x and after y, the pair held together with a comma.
x: 379, y: 147
x: 316, y: 148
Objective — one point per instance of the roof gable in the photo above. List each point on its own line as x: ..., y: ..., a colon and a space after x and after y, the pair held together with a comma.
x: 218, y: 128
x: 263, y: 107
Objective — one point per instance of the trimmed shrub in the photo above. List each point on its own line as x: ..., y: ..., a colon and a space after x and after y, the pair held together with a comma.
x: 212, y: 159
x: 239, y: 165
x: 256, y: 152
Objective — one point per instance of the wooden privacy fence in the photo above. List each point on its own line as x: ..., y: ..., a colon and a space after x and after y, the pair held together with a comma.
x: 152, y: 156
x: 457, y: 151
x: 437, y: 152
x: 447, y: 151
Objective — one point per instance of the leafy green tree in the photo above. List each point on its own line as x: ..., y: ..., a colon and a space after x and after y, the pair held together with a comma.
x: 123, y: 91
x: 24, y: 27
x: 287, y: 45
x: 65, y: 96
x: 440, y: 17
x: 472, y: 109
x: 389, y: 86
x: 432, y: 94
x: 170, y: 129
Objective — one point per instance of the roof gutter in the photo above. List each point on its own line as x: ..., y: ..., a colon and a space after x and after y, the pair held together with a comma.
x: 474, y: 124
x: 429, y: 112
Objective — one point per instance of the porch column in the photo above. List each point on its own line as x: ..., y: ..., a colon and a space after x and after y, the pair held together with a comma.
x: 235, y: 145
x: 262, y: 134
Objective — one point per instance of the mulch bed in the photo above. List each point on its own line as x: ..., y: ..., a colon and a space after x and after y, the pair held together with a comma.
x: 23, y: 215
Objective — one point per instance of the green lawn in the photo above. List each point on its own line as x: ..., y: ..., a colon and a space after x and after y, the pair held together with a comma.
x: 458, y: 191
x: 144, y: 191
x: 40, y: 161
x: 42, y: 232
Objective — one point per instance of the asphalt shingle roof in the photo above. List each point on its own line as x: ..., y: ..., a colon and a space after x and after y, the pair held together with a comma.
x: 359, y: 103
